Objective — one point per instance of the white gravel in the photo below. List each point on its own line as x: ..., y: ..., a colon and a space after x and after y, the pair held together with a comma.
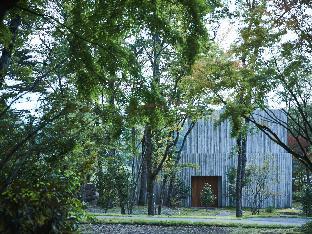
x: 142, y: 229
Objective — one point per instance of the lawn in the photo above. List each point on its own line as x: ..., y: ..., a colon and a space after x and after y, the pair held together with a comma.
x: 228, y: 212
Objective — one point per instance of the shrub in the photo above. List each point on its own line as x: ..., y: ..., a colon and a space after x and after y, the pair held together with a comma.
x: 269, y: 209
x: 297, y: 196
x: 306, y: 199
x: 180, y: 191
x: 207, y: 196
x: 259, y: 190
x: 307, y: 228
x: 113, y: 183
x: 42, y: 203
x: 42, y: 197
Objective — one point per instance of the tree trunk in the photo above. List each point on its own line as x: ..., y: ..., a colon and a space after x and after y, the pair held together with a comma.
x: 308, y: 176
x: 170, y: 190
x: 100, y: 178
x: 241, y: 165
x: 122, y: 209
x: 150, y: 196
x: 142, y: 192
x: 238, y: 196
x: 149, y: 168
x: 133, y: 184
x: 172, y: 177
x: 161, y: 194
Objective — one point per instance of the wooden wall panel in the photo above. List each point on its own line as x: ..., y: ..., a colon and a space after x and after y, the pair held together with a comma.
x: 211, y: 148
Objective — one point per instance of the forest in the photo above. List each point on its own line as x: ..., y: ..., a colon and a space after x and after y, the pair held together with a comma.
x: 105, y: 93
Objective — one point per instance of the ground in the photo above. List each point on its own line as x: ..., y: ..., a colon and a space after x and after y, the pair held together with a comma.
x: 200, y: 212
x: 285, y: 221
x: 194, y: 220
x: 142, y: 229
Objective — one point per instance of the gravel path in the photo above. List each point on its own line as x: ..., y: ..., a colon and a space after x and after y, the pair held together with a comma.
x: 261, y: 221
x: 149, y: 229
x: 142, y: 229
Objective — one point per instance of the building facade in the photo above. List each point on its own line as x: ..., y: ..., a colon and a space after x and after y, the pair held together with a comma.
x: 209, y: 154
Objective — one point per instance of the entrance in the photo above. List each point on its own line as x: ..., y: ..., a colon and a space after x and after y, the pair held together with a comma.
x: 198, y: 183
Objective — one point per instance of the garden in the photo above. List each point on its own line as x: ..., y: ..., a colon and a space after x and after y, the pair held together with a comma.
x: 130, y: 116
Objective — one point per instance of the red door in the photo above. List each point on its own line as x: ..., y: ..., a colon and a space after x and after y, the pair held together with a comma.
x: 198, y: 183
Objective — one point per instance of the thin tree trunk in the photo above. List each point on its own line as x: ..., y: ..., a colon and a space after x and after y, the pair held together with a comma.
x: 132, y: 186
x: 142, y: 192
x: 150, y: 196
x: 308, y: 176
x: 241, y: 166
x: 176, y: 163
x: 239, y: 211
x: 100, y: 177
x: 122, y: 208
x: 161, y: 194
x: 170, y: 190
x: 149, y: 169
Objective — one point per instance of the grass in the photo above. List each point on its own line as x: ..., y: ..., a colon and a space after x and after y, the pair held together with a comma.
x: 166, y: 216
x: 140, y: 218
x: 227, y: 212
x: 189, y: 223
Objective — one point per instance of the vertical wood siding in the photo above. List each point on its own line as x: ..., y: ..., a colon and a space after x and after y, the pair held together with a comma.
x: 211, y: 149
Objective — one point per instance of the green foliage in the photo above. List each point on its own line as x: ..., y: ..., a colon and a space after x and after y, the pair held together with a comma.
x: 307, y: 228
x: 5, y: 36
x: 214, y: 73
x: 41, y: 202
x: 53, y: 156
x: 269, y: 209
x: 285, y: 71
x: 300, y: 176
x: 255, y: 182
x: 306, y: 199
x: 207, y: 196
x: 39, y: 192
x: 259, y: 190
x: 113, y: 183
x: 180, y: 192
x: 231, y: 176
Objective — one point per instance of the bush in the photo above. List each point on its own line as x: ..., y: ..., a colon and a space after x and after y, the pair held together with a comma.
x: 180, y: 191
x: 42, y: 203
x: 207, y: 196
x: 42, y: 195
x: 269, y: 209
x: 113, y: 183
x: 307, y: 228
x: 297, y: 196
x: 306, y: 199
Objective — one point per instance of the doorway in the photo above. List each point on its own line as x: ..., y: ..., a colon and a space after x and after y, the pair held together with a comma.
x: 198, y: 183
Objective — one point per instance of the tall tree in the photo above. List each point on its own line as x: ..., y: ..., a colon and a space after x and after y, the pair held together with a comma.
x: 278, y: 49
x: 167, y: 55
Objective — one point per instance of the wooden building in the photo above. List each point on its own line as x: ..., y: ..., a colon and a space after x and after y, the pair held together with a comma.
x: 211, y: 151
